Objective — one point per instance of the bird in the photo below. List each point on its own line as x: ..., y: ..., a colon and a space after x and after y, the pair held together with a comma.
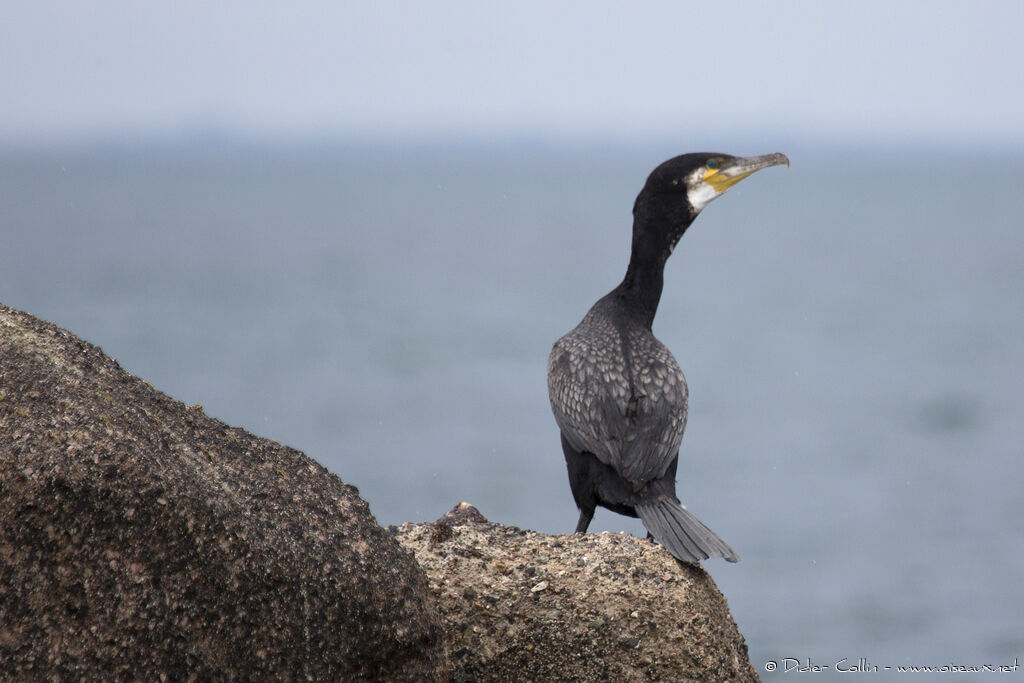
x: 617, y: 393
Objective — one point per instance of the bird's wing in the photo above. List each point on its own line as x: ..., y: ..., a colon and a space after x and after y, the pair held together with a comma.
x: 637, y: 427
x: 587, y: 405
x: 656, y: 418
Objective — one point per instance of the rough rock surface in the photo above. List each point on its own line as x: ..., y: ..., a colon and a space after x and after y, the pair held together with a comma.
x: 141, y: 539
x: 520, y: 605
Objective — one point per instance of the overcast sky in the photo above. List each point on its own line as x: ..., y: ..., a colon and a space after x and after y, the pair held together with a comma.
x: 924, y: 70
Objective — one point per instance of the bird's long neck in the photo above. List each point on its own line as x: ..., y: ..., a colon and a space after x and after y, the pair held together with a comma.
x: 641, y: 288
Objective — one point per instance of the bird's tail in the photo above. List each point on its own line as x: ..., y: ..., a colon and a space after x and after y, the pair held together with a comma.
x: 684, y: 535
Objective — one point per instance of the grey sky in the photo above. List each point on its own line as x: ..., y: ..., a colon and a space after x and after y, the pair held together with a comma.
x: 922, y: 71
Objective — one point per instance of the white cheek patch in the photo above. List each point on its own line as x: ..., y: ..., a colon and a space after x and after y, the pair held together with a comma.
x: 700, y: 194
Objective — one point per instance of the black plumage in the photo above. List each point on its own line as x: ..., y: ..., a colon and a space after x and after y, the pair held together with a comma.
x: 618, y: 395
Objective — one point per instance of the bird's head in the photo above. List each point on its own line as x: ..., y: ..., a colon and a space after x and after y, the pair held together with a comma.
x: 677, y: 190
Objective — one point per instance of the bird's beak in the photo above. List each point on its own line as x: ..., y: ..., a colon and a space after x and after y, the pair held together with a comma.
x: 731, y: 171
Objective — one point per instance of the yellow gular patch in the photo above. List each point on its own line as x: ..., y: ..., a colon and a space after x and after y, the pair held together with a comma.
x: 720, y: 182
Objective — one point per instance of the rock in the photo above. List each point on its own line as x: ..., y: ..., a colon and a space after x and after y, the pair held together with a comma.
x: 597, y: 607
x: 141, y: 539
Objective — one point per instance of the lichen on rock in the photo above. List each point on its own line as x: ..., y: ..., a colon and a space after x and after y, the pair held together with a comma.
x: 142, y: 539
x: 522, y: 605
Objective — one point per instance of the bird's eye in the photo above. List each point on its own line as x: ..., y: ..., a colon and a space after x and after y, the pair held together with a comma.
x: 712, y: 164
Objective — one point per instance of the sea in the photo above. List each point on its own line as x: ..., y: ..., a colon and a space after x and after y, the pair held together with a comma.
x: 851, y: 329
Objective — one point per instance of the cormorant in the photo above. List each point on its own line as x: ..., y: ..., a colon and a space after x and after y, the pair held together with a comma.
x: 617, y: 393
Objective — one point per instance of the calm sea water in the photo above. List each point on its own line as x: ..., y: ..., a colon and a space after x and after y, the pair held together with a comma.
x: 851, y: 329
